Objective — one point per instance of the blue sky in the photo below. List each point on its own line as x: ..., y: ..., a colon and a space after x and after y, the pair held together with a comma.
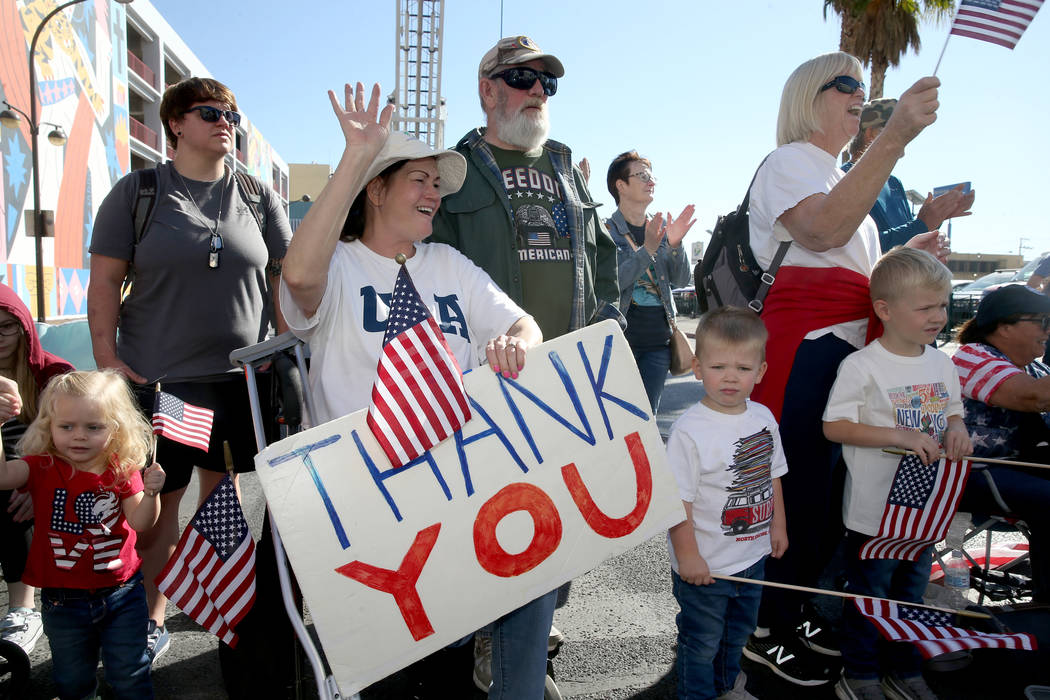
x: 693, y: 85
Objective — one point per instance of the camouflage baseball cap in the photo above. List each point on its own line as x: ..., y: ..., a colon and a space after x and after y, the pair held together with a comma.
x: 877, y: 112
x: 514, y: 50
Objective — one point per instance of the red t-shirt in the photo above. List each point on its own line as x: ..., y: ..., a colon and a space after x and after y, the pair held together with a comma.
x: 81, y: 538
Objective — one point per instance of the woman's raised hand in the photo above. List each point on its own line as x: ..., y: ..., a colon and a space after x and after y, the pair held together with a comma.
x: 363, y: 127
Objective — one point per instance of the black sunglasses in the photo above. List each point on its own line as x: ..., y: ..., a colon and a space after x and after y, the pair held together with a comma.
x: 212, y: 114
x: 844, y: 84
x: 524, y: 78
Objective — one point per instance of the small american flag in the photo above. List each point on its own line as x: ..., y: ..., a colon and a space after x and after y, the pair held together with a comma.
x: 418, y: 398
x: 179, y: 421
x: 920, y: 506
x: 931, y: 630
x: 997, y: 21
x: 211, y: 575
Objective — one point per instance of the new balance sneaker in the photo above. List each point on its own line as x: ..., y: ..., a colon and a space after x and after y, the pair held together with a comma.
x: 790, y: 660
x: 482, y: 661
x: 816, y: 633
x: 739, y: 689
x: 912, y: 688
x: 23, y: 627
x: 852, y: 689
x: 158, y: 641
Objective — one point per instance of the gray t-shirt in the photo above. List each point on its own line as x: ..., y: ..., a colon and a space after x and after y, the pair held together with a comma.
x: 182, y: 318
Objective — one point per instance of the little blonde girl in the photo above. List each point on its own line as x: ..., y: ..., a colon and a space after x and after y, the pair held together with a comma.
x: 81, y: 466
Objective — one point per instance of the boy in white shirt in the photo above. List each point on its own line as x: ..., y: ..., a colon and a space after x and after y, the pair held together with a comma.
x: 727, y: 459
x: 896, y: 392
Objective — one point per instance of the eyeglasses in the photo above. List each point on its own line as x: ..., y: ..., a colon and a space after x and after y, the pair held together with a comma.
x: 1043, y: 321
x: 645, y: 176
x: 843, y: 83
x: 524, y: 78
x: 212, y: 114
x: 10, y: 328
x: 213, y: 250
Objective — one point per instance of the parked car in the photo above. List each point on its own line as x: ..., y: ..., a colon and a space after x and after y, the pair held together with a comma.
x: 1020, y: 277
x: 964, y: 299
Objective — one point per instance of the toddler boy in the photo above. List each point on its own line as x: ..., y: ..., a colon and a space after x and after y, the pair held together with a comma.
x: 727, y: 459
x: 896, y: 392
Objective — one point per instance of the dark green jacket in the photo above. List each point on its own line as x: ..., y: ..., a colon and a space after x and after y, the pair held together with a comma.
x: 478, y: 221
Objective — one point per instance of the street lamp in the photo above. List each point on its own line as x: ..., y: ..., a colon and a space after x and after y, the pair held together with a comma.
x: 57, y: 137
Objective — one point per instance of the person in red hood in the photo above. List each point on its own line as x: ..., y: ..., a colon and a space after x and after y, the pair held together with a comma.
x: 25, y: 361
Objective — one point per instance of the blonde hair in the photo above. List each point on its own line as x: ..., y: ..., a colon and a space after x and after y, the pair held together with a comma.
x: 798, y: 119
x: 733, y: 325
x: 902, y: 270
x: 131, y: 438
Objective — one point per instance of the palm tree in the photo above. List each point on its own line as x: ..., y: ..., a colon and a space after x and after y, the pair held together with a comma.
x: 878, y: 32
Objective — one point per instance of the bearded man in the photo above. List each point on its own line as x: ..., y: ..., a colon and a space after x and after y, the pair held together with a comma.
x: 524, y: 214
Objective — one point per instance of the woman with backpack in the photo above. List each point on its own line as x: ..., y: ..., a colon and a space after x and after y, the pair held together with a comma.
x: 204, y: 256
x: 817, y: 312
x: 650, y: 260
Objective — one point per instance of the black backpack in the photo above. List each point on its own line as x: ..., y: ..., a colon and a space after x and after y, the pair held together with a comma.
x: 728, y: 274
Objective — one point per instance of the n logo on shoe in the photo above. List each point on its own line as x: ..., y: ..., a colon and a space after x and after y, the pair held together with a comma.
x: 807, y: 630
x: 782, y: 654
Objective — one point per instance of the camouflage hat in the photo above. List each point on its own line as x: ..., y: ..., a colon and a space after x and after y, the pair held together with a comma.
x: 514, y: 50
x: 877, y: 112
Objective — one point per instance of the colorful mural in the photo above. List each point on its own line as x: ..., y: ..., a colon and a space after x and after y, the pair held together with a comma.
x: 81, y: 84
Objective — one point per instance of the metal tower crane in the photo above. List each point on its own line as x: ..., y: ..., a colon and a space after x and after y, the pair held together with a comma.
x: 419, y: 106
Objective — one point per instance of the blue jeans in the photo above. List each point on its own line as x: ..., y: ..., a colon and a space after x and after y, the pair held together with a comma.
x: 519, y: 650
x: 653, y: 364
x: 884, y: 578
x: 713, y: 628
x: 78, y: 624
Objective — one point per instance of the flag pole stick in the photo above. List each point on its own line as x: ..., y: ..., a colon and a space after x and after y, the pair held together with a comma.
x: 942, y: 53
x: 978, y: 460
x: 854, y: 596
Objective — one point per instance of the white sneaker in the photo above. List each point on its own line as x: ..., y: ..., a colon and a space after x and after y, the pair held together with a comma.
x: 23, y: 627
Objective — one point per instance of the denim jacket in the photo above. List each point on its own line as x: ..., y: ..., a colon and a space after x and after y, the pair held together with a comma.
x: 672, y: 265
x: 478, y: 221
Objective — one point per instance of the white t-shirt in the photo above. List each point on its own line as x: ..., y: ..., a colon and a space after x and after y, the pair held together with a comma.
x: 792, y: 173
x: 877, y: 387
x: 346, y: 332
x: 724, y: 465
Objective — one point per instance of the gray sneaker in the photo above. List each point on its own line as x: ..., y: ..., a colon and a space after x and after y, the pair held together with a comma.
x: 859, y: 689
x: 482, y: 661
x: 739, y: 689
x: 913, y: 688
x: 22, y: 627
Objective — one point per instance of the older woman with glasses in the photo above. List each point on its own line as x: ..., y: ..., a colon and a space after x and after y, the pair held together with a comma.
x: 204, y: 256
x: 817, y: 312
x: 1006, y: 406
x: 650, y: 261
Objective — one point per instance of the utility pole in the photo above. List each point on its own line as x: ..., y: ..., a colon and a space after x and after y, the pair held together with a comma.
x: 1022, y: 247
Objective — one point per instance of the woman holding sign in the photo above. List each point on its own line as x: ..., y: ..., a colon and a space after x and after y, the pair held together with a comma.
x: 338, y: 290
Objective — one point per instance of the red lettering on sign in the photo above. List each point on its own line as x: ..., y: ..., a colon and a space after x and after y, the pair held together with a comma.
x: 599, y: 521
x: 545, y: 537
x: 401, y: 583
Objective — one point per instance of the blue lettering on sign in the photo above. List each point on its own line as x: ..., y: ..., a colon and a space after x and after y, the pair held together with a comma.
x: 452, y: 320
x: 370, y: 312
x: 493, y: 429
x: 304, y: 454
x: 599, y: 386
x: 380, y: 476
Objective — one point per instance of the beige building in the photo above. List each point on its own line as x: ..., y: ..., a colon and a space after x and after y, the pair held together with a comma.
x: 970, y: 266
x: 307, y: 179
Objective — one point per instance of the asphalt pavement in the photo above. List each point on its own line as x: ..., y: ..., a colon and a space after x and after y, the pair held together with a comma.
x: 619, y: 624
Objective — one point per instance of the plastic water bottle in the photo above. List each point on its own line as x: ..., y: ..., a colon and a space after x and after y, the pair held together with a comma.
x: 957, y: 568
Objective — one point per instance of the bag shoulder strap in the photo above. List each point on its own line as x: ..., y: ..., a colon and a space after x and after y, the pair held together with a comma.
x: 250, y: 190
x: 770, y: 274
x: 145, y: 200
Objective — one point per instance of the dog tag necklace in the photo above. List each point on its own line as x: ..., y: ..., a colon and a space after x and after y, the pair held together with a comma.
x: 213, y: 252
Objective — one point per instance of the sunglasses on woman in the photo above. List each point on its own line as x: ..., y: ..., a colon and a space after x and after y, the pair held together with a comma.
x: 524, y: 78
x: 844, y: 84
x: 212, y: 114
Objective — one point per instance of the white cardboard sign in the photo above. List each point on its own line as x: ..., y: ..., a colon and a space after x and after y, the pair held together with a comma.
x: 555, y: 472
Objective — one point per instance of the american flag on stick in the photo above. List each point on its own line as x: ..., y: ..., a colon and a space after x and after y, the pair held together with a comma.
x: 182, y: 422
x: 931, y: 630
x: 997, y: 21
x: 211, y: 575
x: 418, y: 398
x: 919, y: 508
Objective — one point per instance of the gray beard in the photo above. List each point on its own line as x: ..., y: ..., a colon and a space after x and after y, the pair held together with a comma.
x: 523, y: 132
